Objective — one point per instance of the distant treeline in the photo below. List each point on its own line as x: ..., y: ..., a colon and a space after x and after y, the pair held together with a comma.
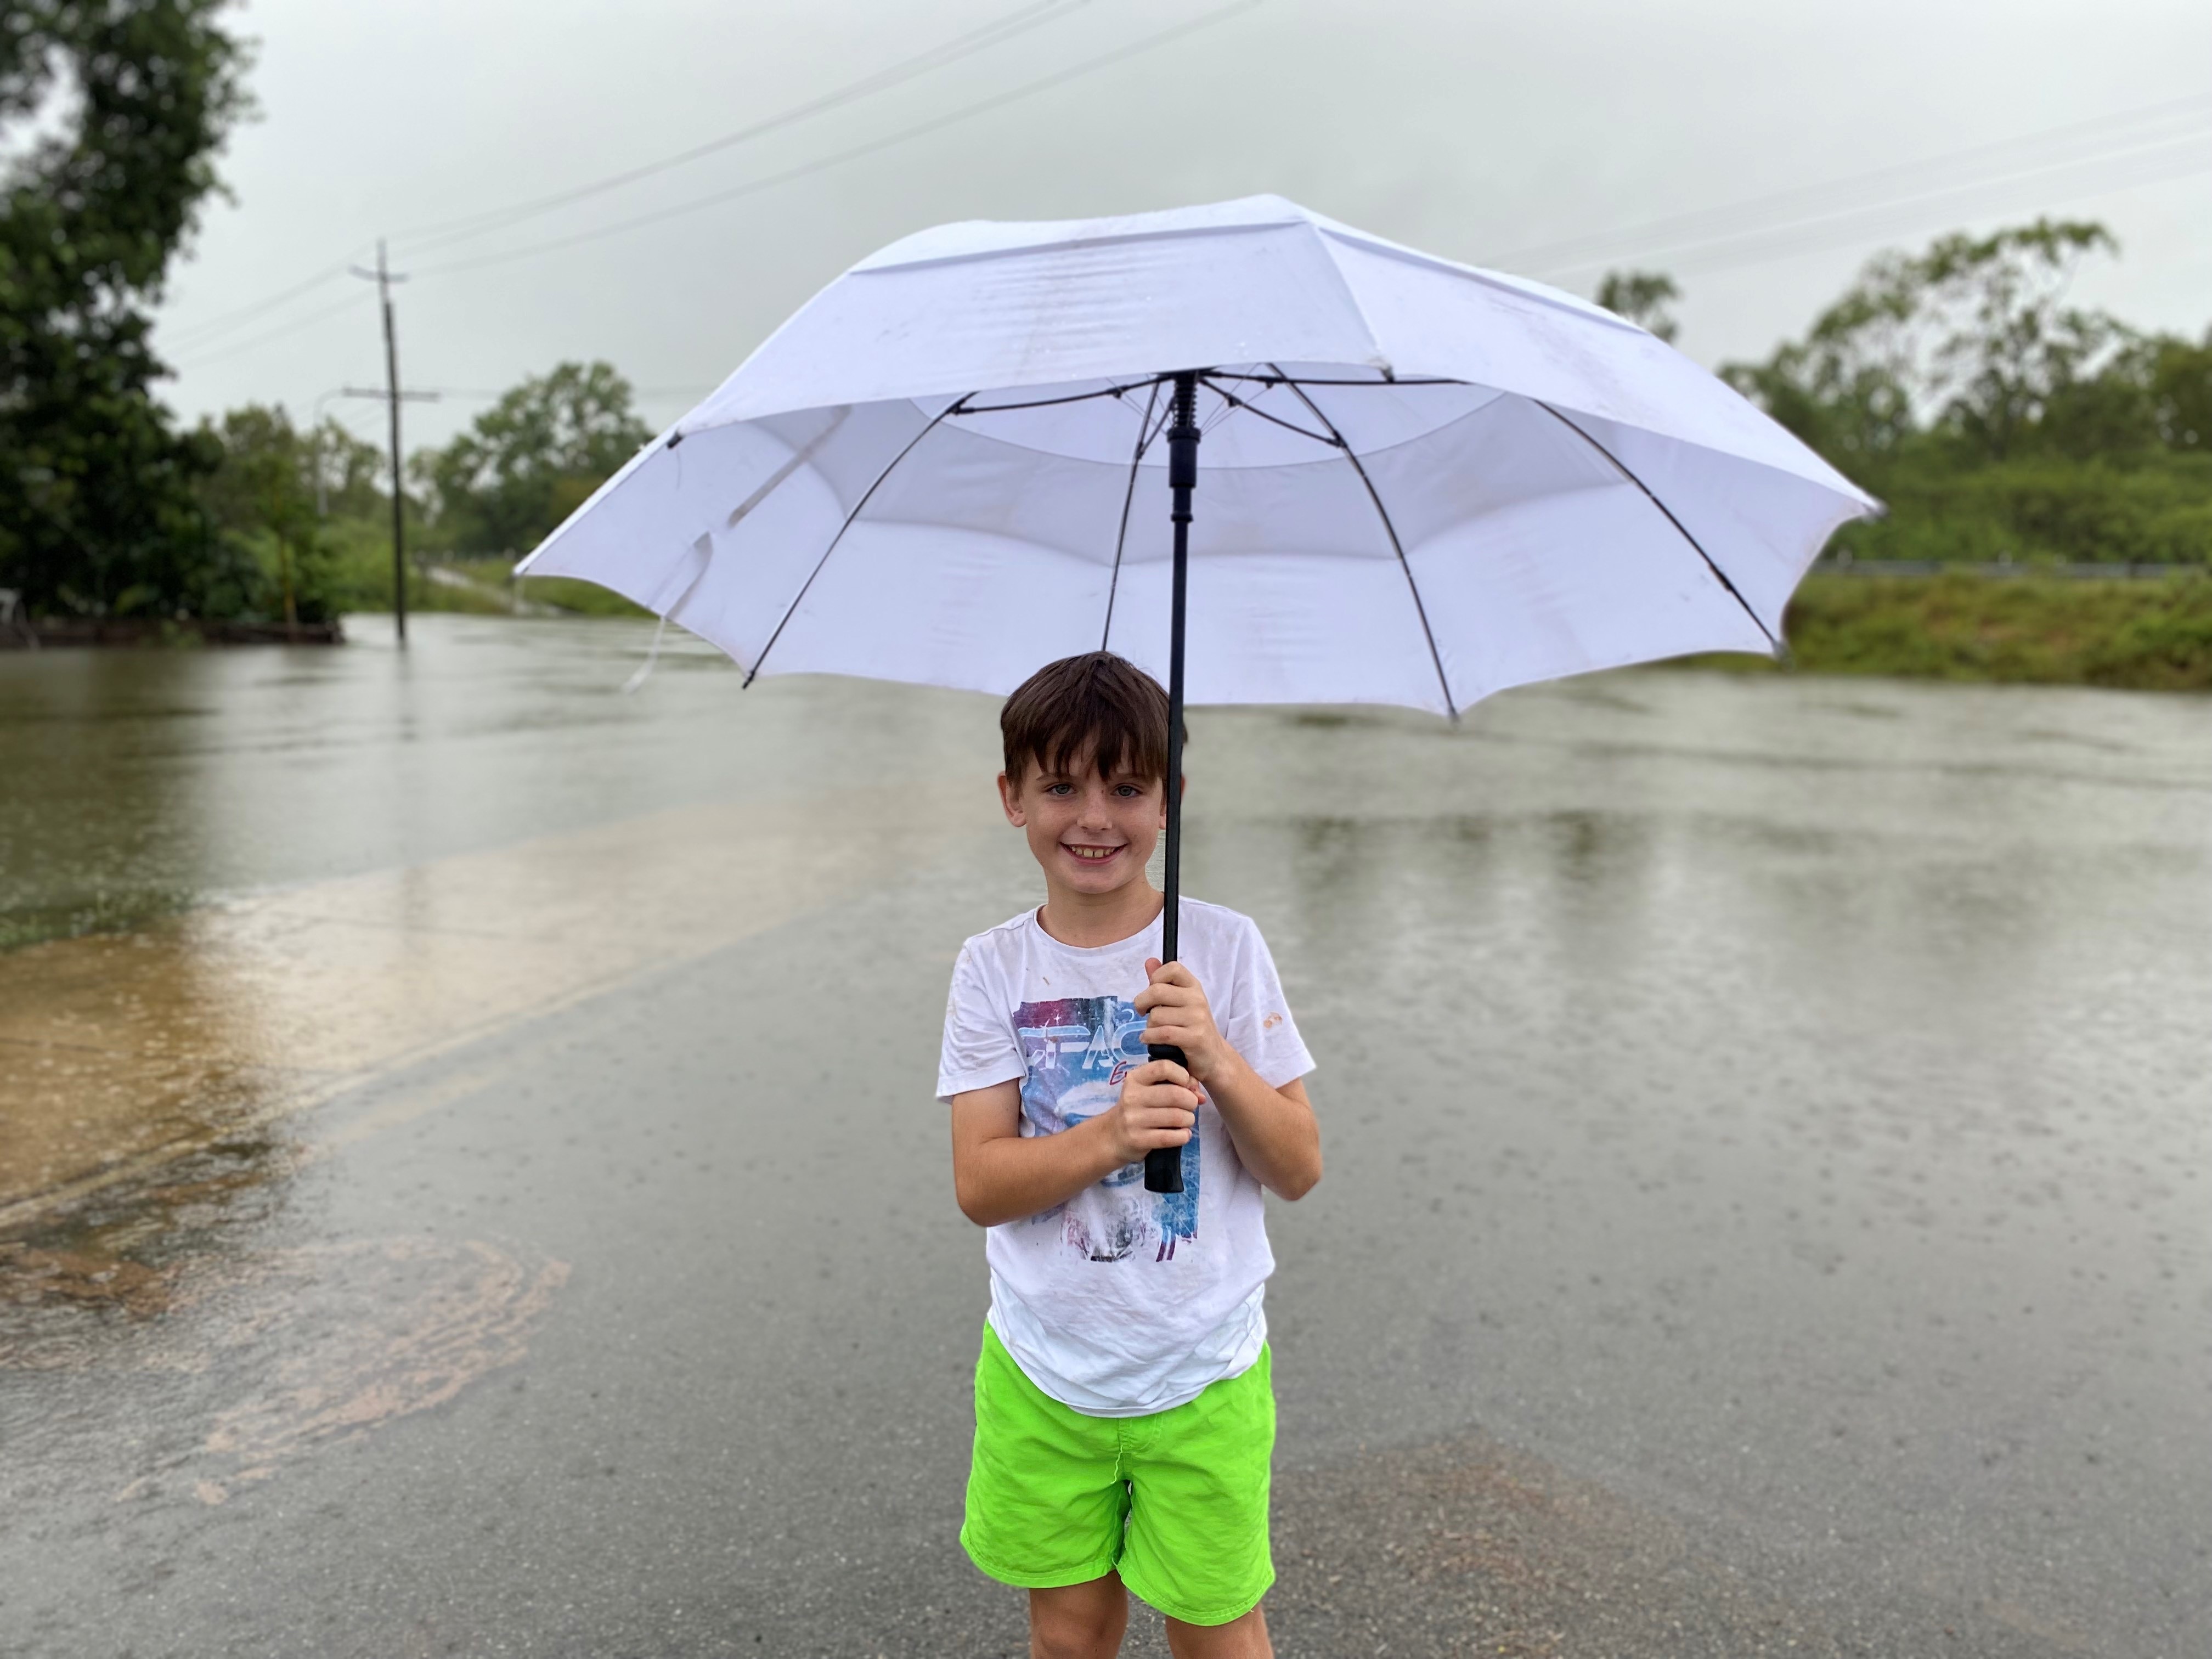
x: 310, y: 508
x: 1994, y: 419
x: 1958, y: 383
x: 108, y: 505
x: 1997, y: 422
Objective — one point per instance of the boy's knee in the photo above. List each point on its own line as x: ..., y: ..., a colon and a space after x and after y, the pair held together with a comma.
x: 1240, y: 1639
x: 1078, y: 1621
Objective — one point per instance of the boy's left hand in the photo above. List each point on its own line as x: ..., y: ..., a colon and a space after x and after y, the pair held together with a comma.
x: 1176, y: 1012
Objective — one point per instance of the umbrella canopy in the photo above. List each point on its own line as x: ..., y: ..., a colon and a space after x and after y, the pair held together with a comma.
x: 1423, y: 482
x: 1419, y: 483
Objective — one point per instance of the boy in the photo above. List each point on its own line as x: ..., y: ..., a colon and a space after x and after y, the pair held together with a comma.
x: 1124, y: 1420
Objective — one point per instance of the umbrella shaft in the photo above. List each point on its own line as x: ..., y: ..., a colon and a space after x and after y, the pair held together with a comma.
x: 1164, y: 1165
x: 1170, y: 915
x: 1182, y: 476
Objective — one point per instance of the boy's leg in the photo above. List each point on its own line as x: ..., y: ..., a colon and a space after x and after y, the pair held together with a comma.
x: 1240, y: 1639
x: 1047, y: 1504
x: 1197, y: 1542
x: 1078, y: 1621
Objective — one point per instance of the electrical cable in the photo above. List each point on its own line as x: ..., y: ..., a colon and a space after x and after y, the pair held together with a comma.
x: 1000, y: 100
x: 1833, y: 197
x: 981, y: 39
x: 2034, y: 193
x: 635, y: 391
x: 192, y: 335
x: 1827, y: 214
x: 292, y: 327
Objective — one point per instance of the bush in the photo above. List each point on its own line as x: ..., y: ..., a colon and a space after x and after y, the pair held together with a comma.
x: 2155, y: 509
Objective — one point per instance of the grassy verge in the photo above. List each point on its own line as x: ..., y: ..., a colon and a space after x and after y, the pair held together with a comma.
x: 2144, y: 635
x: 583, y: 598
x: 493, y: 576
x: 361, y: 580
x: 2047, y: 629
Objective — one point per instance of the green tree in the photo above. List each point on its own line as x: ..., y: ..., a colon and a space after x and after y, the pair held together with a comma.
x: 263, y: 499
x: 346, y: 471
x: 1996, y: 418
x: 1642, y: 297
x: 1971, y: 338
x: 116, y: 108
x: 2180, y: 387
x: 530, y: 460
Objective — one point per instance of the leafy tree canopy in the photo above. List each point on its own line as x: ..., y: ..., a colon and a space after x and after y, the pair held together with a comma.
x: 1642, y: 297
x: 1972, y: 339
x: 1995, y: 417
x: 114, y: 110
x: 532, y: 459
x: 270, y: 497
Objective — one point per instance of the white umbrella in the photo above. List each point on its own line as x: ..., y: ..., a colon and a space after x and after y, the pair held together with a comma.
x: 1422, y: 482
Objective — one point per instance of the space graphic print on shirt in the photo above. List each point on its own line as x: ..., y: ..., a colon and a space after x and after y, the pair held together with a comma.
x: 1122, y: 1302
x: 1078, y: 1050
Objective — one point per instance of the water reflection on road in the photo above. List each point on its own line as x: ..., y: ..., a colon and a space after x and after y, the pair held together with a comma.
x: 1768, y: 1113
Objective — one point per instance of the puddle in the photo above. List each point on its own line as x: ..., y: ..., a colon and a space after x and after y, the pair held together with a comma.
x: 267, y: 1355
x: 35, y: 1278
x: 120, y: 1054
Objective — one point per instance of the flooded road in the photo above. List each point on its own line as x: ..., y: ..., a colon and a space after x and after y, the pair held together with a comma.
x: 469, y: 1184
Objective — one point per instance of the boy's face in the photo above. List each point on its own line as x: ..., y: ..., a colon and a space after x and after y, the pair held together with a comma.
x: 1092, y: 835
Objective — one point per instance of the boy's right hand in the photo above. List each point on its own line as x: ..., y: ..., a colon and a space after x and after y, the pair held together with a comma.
x: 1157, y: 1108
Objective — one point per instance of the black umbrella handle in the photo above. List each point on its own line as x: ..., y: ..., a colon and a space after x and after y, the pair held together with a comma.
x: 1164, y: 1165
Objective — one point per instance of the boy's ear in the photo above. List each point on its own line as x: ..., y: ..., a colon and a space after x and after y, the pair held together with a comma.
x: 1164, y: 800
x: 1010, y: 802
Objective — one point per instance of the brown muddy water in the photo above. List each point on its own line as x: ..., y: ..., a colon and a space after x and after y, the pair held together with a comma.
x: 468, y: 1181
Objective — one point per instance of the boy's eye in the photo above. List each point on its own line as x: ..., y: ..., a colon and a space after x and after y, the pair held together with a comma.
x: 1127, y: 790
x: 1060, y: 789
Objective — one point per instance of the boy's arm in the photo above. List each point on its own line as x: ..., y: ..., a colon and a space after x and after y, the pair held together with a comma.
x: 1275, y: 1130
x: 999, y: 1174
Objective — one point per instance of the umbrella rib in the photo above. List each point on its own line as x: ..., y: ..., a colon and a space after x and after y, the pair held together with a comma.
x: 800, y: 599
x: 1047, y: 403
x: 1236, y: 402
x: 1144, y: 436
x: 1281, y: 379
x: 1381, y: 512
x: 1719, y: 574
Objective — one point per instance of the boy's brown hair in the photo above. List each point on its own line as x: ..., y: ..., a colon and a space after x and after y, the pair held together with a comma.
x: 1098, y: 701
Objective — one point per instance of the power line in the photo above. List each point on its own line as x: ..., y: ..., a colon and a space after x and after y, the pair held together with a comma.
x: 1785, y: 241
x: 2003, y: 159
x: 1039, y: 12
x: 635, y: 391
x: 292, y: 327
x: 1090, y: 65
x: 975, y: 40
x: 208, y: 328
x: 1736, y: 234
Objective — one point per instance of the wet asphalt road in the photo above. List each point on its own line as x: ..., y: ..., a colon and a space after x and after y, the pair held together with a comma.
x: 1766, y: 1209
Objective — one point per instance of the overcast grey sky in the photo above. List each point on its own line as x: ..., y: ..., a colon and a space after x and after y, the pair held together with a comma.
x: 1492, y: 133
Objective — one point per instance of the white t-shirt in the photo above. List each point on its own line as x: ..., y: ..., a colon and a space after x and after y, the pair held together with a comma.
x: 1121, y: 1301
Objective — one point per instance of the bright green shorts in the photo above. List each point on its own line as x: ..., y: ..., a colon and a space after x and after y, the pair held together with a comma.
x: 1175, y: 1502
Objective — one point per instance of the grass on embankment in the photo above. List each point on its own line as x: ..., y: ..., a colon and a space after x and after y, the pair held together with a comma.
x: 2053, y: 630
x: 360, y: 579
x: 2058, y: 630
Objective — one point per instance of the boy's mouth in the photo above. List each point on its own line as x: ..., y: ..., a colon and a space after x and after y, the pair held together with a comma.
x: 1088, y: 854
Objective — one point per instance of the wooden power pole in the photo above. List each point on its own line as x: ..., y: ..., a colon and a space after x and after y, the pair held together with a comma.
x: 383, y: 277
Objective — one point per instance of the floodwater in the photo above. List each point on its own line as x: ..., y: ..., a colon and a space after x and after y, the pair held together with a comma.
x: 468, y: 1180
